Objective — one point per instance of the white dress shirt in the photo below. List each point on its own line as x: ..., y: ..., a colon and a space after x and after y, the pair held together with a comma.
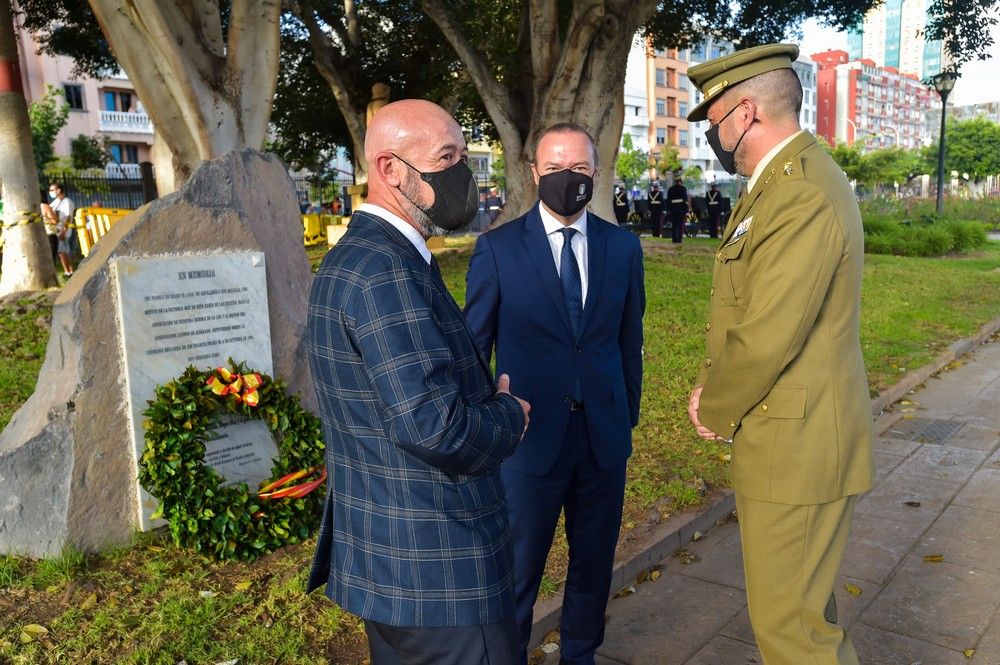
x: 579, y: 246
x: 401, y: 225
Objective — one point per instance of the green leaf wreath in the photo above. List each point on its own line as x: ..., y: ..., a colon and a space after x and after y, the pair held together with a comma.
x: 231, y: 522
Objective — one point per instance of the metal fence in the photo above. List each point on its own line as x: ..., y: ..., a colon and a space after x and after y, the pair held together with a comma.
x: 106, y: 192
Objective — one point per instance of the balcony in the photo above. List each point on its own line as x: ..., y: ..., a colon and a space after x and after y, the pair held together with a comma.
x: 114, y: 170
x: 127, y: 123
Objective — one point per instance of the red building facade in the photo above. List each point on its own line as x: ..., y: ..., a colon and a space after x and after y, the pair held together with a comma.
x: 858, y: 101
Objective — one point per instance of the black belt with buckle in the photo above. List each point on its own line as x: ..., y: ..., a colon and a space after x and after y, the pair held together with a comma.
x: 574, y: 405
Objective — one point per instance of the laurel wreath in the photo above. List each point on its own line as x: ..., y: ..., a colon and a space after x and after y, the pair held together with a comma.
x: 231, y: 522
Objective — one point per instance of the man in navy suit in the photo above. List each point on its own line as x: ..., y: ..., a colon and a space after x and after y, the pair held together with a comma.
x: 414, y: 538
x: 558, y: 294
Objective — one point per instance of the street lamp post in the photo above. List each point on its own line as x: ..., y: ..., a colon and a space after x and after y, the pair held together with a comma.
x: 943, y: 83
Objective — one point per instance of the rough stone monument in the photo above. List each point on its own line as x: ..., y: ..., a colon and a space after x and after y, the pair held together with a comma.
x: 67, y: 468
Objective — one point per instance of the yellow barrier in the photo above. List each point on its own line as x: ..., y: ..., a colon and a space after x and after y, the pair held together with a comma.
x: 92, y: 223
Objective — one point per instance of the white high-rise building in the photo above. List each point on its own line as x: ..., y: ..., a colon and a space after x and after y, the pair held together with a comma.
x: 891, y: 35
x: 636, y: 96
x: 806, y: 69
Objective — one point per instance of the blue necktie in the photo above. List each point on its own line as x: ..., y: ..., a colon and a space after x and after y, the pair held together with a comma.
x: 572, y: 285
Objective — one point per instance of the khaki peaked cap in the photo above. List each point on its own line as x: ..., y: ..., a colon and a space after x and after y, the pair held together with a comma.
x: 716, y: 76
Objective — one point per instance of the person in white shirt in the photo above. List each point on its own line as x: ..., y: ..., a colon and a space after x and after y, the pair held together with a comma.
x: 64, y: 210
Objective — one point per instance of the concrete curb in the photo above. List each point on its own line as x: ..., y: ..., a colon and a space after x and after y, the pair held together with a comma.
x: 912, y: 379
x: 677, y: 531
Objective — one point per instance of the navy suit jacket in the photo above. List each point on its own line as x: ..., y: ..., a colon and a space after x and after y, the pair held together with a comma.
x: 515, y: 306
x: 414, y: 529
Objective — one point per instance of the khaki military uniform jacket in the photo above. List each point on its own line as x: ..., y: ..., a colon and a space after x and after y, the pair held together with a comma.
x: 783, y: 375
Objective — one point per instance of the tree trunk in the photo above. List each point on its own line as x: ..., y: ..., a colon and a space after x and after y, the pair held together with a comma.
x: 27, y: 259
x: 575, y: 76
x: 207, y: 95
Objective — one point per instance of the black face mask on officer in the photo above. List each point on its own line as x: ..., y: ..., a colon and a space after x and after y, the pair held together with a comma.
x: 456, y: 197
x: 727, y: 158
x: 565, y: 192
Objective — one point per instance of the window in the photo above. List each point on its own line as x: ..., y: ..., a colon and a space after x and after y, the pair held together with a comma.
x: 479, y: 164
x: 683, y: 140
x: 682, y: 109
x: 661, y: 77
x: 661, y: 136
x: 117, y: 100
x: 682, y: 81
x: 74, y: 96
x: 661, y: 107
x: 124, y: 153
x: 671, y: 78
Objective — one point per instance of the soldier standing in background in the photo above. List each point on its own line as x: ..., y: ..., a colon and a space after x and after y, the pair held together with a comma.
x: 679, y: 207
x: 620, y: 203
x: 713, y: 200
x: 656, y: 209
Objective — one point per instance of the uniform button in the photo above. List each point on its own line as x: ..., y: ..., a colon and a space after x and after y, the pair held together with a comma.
x: 732, y: 424
x: 708, y: 326
x: 712, y: 292
x: 708, y: 362
x: 578, y: 350
x: 763, y: 407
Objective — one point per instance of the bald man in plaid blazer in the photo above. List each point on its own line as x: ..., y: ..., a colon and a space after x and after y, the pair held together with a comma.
x: 414, y: 538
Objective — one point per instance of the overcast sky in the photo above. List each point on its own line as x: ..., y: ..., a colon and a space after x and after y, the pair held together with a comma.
x: 979, y: 82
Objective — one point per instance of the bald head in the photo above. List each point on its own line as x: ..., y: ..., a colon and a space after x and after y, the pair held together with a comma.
x: 409, y: 127
x: 404, y: 139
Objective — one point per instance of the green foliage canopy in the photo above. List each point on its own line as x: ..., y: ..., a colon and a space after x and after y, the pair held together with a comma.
x: 632, y: 163
x: 48, y: 116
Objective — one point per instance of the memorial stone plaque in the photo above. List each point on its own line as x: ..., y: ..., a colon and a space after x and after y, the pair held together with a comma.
x: 196, y: 310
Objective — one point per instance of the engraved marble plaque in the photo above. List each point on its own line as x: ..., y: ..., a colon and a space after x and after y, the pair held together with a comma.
x: 196, y: 310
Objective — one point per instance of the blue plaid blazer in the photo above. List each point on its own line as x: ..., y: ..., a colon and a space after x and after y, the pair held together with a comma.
x: 414, y: 529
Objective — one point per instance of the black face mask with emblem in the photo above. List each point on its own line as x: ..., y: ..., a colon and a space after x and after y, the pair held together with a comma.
x: 565, y: 192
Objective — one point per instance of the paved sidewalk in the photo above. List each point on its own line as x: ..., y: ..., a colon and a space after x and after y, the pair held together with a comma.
x: 937, y: 495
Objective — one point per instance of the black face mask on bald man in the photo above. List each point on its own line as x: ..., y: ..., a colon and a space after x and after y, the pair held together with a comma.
x: 456, y: 197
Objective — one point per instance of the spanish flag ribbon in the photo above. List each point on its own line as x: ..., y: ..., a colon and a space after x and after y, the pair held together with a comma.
x: 283, y: 489
x: 242, y: 386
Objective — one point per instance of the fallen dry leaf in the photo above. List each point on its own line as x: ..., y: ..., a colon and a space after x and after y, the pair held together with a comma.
x: 853, y: 590
x: 698, y: 535
x: 242, y: 586
x: 654, y: 575
x: 933, y: 558
x: 968, y: 653
x: 32, y: 632
x: 912, y: 504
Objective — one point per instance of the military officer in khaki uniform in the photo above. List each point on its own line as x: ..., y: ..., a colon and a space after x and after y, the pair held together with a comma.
x: 783, y: 378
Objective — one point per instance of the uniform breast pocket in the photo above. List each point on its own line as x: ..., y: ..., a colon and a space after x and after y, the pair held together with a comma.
x: 732, y: 269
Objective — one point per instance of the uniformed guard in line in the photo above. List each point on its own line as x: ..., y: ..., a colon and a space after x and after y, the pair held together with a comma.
x: 783, y: 377
x: 656, y: 209
x: 620, y: 204
x: 679, y: 206
x: 493, y: 204
x: 713, y: 201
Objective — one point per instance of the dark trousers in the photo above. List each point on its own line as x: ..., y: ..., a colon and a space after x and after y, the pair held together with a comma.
x: 677, y: 226
x: 713, y: 224
x: 54, y: 246
x: 592, y: 498
x: 492, y: 644
x: 621, y: 215
x: 656, y: 217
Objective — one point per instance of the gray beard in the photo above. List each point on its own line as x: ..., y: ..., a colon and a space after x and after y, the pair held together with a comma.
x: 413, y: 209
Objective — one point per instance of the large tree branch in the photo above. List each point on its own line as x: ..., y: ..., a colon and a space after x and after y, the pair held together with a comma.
x: 323, y: 57
x: 353, y: 24
x: 205, y: 15
x: 252, y: 65
x: 543, y: 21
x: 336, y: 23
x: 495, y: 96
x: 585, y: 22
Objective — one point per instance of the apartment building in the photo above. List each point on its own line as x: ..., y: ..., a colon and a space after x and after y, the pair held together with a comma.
x: 860, y: 101
x: 668, y: 102
x: 107, y: 106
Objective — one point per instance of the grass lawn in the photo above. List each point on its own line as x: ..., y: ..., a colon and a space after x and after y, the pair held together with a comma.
x: 150, y: 603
